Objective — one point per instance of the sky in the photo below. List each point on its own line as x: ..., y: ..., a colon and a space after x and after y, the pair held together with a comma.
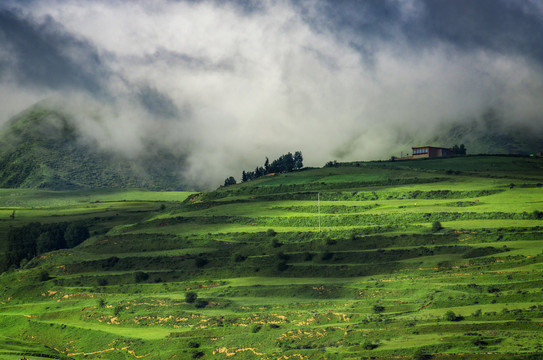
x: 227, y: 83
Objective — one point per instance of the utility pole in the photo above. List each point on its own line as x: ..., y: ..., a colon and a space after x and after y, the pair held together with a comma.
x: 319, y: 207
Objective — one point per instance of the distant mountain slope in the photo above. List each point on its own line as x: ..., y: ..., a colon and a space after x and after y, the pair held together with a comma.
x: 41, y: 148
x: 490, y: 134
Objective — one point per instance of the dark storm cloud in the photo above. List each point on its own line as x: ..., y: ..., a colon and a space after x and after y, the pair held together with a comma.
x: 43, y: 54
x: 503, y: 26
x: 364, y: 17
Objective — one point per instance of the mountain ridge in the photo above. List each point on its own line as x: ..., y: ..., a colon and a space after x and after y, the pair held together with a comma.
x: 43, y: 148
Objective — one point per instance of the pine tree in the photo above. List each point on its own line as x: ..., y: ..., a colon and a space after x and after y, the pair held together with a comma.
x: 259, y: 171
x: 250, y: 175
x: 298, y: 160
x: 289, y: 162
x: 230, y: 181
x: 456, y: 149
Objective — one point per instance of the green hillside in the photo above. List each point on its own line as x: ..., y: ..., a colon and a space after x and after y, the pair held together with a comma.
x: 42, y: 148
x: 421, y: 259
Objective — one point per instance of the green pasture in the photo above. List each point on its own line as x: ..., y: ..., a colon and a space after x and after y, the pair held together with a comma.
x: 506, y: 166
x: 46, y: 198
x: 379, y: 280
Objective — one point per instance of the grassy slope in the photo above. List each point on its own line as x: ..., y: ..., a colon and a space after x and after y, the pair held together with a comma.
x: 375, y: 282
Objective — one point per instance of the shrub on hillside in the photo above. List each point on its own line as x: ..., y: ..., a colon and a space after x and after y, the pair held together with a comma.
x: 200, y: 261
x: 451, y: 316
x: 275, y: 243
x: 282, y: 256
x: 436, y: 226
x: 193, y: 344
x: 256, y: 328
x: 44, y: 276
x: 191, y: 297
x: 117, y: 310
x: 327, y: 255
x: 370, y: 346
x: 140, y: 276
x: 110, y: 262
x: 239, y: 258
x: 282, y: 266
x: 493, y: 289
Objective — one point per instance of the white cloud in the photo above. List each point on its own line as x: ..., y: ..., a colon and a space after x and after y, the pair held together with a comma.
x: 251, y: 84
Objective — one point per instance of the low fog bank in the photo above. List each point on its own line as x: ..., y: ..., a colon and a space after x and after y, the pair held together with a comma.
x: 223, y: 85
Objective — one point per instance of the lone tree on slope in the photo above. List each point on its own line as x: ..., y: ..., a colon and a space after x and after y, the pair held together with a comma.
x: 230, y: 181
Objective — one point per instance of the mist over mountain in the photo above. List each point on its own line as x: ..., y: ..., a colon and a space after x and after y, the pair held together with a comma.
x: 222, y: 85
x: 43, y: 148
x: 491, y: 134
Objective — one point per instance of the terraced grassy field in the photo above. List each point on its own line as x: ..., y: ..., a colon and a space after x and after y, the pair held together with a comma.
x: 244, y: 272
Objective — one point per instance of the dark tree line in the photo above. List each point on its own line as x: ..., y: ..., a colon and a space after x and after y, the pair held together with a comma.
x: 285, y: 163
x: 34, y: 239
x: 230, y: 181
x: 459, y: 150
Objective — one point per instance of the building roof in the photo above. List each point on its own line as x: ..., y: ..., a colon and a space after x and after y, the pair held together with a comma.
x: 430, y: 147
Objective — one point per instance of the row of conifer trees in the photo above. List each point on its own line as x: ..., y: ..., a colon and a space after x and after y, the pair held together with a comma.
x: 285, y: 163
